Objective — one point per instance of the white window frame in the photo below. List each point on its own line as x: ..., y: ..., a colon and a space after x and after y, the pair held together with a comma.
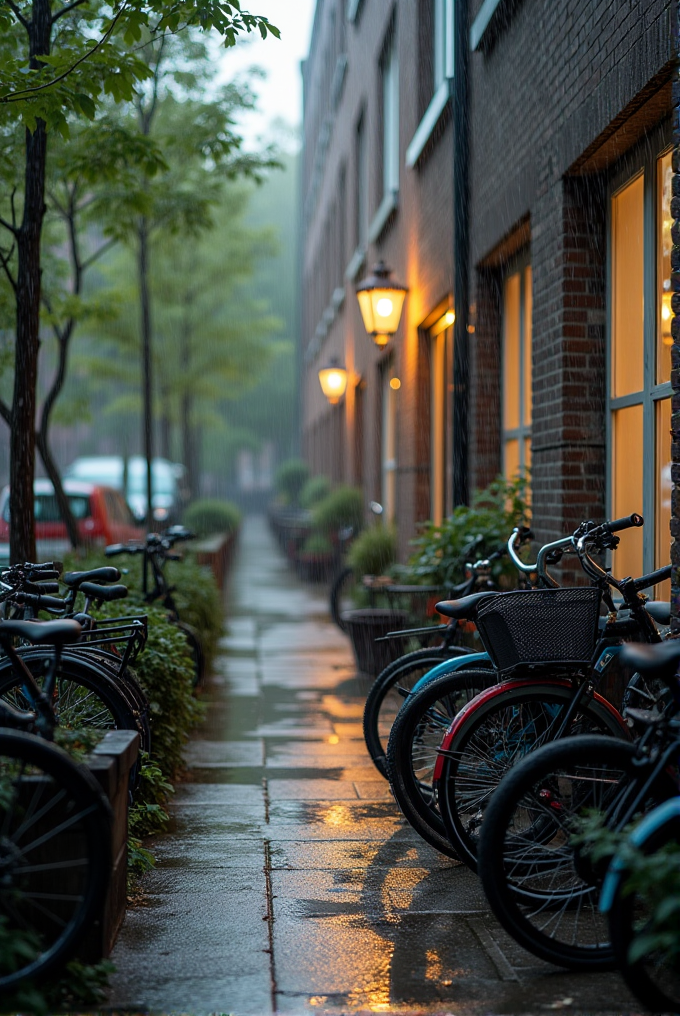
x: 522, y: 433
x: 443, y: 45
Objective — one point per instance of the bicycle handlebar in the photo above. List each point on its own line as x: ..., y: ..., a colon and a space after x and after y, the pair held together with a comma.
x: 633, y: 521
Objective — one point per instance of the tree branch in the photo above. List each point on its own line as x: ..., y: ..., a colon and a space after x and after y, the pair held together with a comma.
x: 4, y: 264
x: 8, y: 225
x: 66, y: 9
x: 6, y: 413
x: 17, y: 13
x: 98, y: 253
x: 17, y: 96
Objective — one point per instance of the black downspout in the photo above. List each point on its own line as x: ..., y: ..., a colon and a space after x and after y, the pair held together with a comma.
x: 461, y: 152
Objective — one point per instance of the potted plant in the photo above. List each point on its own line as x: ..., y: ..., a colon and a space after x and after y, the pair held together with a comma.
x: 315, y: 559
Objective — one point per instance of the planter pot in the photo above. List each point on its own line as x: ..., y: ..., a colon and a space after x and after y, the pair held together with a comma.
x: 216, y: 552
x: 110, y: 763
x: 315, y: 567
x: 364, y: 626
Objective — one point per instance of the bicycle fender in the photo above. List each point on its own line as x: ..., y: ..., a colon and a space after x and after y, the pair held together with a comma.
x: 449, y: 667
x: 657, y: 818
x: 500, y: 689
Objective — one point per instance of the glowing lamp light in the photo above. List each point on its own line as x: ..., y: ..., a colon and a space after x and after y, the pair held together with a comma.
x: 381, y: 301
x: 333, y: 381
x: 666, y: 316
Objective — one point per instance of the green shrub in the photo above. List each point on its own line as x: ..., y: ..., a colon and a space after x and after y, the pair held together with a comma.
x: 317, y: 543
x: 343, y: 507
x: 290, y: 478
x: 373, y: 551
x: 199, y: 602
x: 165, y: 672
x: 443, y: 550
x: 212, y: 516
x: 315, y: 490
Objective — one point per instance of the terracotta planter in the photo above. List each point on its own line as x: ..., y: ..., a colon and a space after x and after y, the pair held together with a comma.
x: 366, y: 625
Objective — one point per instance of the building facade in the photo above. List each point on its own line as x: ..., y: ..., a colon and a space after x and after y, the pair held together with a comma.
x: 567, y: 323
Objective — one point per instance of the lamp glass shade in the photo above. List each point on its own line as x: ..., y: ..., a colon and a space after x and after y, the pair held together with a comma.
x: 381, y: 309
x: 333, y: 381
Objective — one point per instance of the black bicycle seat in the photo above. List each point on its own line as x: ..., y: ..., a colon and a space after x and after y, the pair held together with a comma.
x: 106, y: 574
x: 660, y: 659
x: 44, y: 633
x: 106, y: 593
x: 463, y: 609
x: 660, y: 610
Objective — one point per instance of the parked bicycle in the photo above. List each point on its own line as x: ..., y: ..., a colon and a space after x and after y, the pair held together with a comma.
x: 156, y: 551
x: 55, y: 854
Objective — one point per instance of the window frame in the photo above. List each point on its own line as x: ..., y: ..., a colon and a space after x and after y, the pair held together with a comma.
x: 643, y: 160
x: 518, y: 264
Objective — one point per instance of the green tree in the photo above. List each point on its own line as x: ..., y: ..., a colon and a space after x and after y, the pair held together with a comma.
x: 56, y: 65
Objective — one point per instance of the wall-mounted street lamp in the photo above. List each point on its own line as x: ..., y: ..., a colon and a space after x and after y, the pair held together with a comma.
x: 333, y: 381
x: 381, y: 301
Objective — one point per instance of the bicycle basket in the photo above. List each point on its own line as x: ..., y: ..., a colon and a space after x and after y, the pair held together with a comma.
x: 540, y: 626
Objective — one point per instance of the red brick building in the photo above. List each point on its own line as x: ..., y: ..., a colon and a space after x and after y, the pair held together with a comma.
x: 567, y: 136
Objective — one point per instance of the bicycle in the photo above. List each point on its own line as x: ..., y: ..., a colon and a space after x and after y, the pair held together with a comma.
x: 55, y: 822
x: 156, y: 551
x: 395, y: 683
x: 93, y: 685
x: 540, y: 879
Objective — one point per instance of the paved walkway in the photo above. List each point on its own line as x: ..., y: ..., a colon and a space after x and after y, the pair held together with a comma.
x: 289, y: 882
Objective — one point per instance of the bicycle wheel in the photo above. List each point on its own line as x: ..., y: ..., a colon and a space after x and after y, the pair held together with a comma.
x: 387, y: 695
x: 55, y: 856
x: 86, y: 695
x: 339, y: 596
x: 414, y: 743
x: 543, y: 890
x: 492, y: 735
x: 654, y: 976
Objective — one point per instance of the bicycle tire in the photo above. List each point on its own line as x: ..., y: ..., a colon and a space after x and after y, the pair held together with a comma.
x: 413, y: 748
x: 196, y: 651
x: 513, y: 719
x: 654, y: 979
x: 335, y: 595
x: 73, y: 845
x: 93, y: 698
x: 387, y: 694
x: 542, y: 890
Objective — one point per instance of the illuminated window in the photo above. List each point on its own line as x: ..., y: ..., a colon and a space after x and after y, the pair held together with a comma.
x: 517, y: 307
x: 388, y: 495
x: 640, y: 365
x: 440, y: 344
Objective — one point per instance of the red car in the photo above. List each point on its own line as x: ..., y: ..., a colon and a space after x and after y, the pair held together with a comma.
x: 101, y: 512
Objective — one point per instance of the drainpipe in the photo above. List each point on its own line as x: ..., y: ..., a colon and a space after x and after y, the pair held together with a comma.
x: 675, y: 331
x: 461, y: 152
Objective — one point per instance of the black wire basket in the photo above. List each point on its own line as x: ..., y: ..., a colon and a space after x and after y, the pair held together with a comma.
x: 540, y: 626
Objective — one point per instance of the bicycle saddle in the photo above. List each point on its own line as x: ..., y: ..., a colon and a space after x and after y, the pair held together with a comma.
x: 45, y: 633
x: 660, y: 610
x: 105, y: 593
x: 106, y: 574
x: 659, y: 659
x: 464, y: 609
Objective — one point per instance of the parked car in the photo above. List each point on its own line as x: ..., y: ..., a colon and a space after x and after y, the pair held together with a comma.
x: 166, y: 477
x: 101, y: 513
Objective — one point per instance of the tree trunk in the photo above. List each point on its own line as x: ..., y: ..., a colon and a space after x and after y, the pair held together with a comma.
x: 147, y: 385
x: 42, y: 439
x: 22, y: 440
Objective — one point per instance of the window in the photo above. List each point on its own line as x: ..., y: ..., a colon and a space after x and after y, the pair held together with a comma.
x: 361, y: 168
x: 388, y: 492
x: 441, y: 345
x: 435, y: 69
x: 516, y: 359
x: 640, y: 364
x: 389, y: 72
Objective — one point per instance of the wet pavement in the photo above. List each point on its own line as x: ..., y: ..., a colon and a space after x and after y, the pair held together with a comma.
x: 289, y: 882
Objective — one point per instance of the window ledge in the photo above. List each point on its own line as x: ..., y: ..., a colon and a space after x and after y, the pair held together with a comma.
x: 338, y: 83
x: 353, y: 8
x: 388, y: 205
x: 427, y: 124
x: 481, y: 23
x: 356, y: 263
